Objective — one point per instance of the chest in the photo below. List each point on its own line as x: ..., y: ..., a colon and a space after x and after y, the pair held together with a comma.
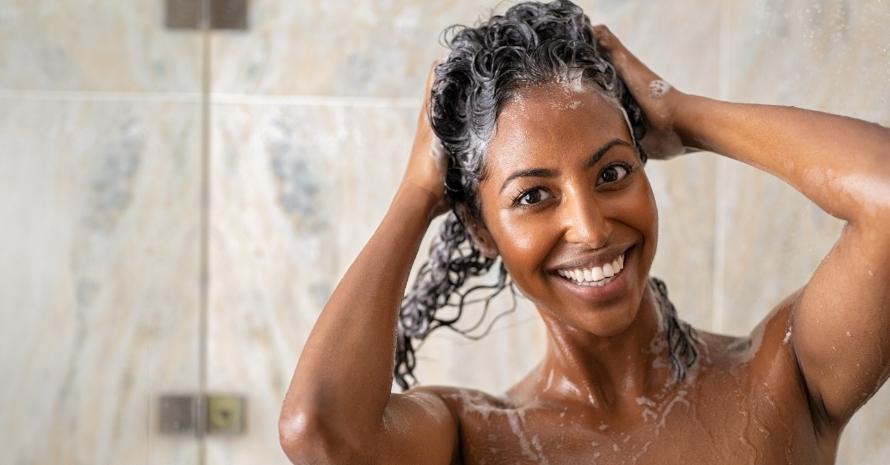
x: 713, y: 423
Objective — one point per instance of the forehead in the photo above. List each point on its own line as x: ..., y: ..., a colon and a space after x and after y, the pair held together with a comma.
x: 544, y: 126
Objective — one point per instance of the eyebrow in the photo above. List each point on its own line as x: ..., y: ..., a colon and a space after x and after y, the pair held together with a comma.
x: 549, y: 173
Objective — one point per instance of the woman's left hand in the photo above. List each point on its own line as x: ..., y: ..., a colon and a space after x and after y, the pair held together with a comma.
x: 658, y: 99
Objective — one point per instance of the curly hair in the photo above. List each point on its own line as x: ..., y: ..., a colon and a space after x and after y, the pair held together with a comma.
x: 531, y: 44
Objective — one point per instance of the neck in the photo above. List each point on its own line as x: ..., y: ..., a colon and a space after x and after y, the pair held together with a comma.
x: 607, y: 372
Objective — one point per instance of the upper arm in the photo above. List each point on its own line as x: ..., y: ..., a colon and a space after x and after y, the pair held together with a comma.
x: 418, y: 427
x: 841, y: 323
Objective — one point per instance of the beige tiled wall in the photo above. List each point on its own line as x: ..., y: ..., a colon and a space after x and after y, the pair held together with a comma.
x: 311, y: 116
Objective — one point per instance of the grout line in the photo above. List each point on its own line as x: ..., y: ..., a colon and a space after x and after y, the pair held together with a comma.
x: 315, y: 100
x: 204, y: 279
x: 100, y: 96
x: 226, y: 98
x: 723, y: 47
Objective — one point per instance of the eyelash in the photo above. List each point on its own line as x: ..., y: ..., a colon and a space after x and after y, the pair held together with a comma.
x: 521, y: 194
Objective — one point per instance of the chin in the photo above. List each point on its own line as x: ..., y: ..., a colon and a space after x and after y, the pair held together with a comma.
x: 601, y: 322
x: 611, y: 322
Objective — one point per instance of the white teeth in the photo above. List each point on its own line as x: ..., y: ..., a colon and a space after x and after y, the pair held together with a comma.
x: 596, y: 275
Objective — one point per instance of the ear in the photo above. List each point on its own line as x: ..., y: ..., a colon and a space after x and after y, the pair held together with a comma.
x: 479, y: 234
x: 483, y: 240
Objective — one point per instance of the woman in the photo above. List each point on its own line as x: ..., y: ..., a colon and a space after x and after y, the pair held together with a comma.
x: 546, y: 123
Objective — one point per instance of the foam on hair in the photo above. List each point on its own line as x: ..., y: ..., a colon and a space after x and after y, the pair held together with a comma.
x: 531, y: 44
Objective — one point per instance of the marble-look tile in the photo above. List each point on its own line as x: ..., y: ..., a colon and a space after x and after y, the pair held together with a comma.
x: 99, y: 288
x: 337, y: 47
x: 663, y: 35
x: 770, y: 237
x: 831, y: 55
x: 95, y: 46
x: 685, y: 194
x: 384, y: 49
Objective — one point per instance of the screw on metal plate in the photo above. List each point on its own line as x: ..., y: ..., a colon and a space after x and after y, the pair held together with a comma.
x: 225, y: 414
x: 200, y: 415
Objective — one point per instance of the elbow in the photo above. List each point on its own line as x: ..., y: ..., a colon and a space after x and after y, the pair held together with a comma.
x: 294, y: 433
x: 305, y: 440
x: 871, y: 199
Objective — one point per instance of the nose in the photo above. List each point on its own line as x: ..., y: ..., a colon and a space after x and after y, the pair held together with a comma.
x: 586, y: 222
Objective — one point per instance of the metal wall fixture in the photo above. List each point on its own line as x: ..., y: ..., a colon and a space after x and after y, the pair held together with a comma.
x: 222, y: 14
x: 202, y: 414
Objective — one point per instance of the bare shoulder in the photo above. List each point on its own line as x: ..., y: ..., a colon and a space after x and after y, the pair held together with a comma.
x: 459, y: 399
x: 765, y: 358
x: 432, y: 399
x: 419, y: 426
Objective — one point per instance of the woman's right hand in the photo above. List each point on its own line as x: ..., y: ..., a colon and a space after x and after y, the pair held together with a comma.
x: 427, y: 163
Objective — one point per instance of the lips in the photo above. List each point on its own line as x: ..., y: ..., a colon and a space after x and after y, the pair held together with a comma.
x: 595, y: 275
x: 598, y: 260
x: 596, y: 290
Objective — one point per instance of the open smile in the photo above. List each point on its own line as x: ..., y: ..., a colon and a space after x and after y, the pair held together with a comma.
x: 597, y: 283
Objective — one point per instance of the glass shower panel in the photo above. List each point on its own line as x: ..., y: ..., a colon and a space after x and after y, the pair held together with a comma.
x: 101, y: 175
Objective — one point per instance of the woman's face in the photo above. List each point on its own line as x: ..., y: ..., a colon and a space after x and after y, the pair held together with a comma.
x: 565, y: 190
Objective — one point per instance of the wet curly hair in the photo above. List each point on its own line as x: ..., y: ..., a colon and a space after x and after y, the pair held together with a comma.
x: 531, y: 44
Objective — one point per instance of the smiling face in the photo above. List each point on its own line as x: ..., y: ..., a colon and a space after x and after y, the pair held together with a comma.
x: 564, y: 192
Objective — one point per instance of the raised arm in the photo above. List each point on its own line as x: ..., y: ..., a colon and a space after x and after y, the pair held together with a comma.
x: 338, y: 408
x: 841, y: 318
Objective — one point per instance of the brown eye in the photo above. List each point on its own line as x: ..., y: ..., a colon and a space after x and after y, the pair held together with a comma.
x: 614, y: 173
x: 529, y: 197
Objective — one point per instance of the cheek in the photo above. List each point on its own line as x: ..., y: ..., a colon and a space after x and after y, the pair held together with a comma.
x: 645, y: 219
x: 524, y: 242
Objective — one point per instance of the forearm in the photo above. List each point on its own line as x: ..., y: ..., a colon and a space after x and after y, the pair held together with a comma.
x: 842, y: 164
x: 344, y: 374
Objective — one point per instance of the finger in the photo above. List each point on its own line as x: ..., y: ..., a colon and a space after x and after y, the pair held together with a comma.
x: 605, y: 37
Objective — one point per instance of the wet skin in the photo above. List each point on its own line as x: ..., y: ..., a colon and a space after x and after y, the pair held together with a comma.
x: 601, y: 395
x: 602, y: 391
